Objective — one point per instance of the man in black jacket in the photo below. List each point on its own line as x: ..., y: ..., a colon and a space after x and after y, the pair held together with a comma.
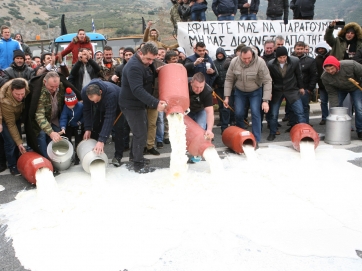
x: 322, y: 50
x: 310, y: 78
x: 100, y: 110
x: 224, y: 113
x: 287, y: 82
x: 17, y: 69
x: 276, y: 9
x: 248, y: 10
x: 225, y: 10
x: 84, y: 70
x: 302, y: 9
x: 135, y: 95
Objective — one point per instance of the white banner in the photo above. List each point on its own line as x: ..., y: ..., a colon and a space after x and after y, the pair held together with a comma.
x: 229, y: 34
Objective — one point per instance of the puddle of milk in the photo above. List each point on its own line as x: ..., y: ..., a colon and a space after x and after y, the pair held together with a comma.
x: 307, y: 152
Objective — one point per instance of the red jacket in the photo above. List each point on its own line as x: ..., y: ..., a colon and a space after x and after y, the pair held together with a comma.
x: 74, y: 47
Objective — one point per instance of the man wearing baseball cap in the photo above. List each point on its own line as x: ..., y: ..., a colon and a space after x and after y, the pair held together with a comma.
x: 336, y: 81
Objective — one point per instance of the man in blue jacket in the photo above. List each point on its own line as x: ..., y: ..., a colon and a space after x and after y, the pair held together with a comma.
x: 225, y: 10
x: 7, y: 46
x: 136, y: 93
x: 100, y: 110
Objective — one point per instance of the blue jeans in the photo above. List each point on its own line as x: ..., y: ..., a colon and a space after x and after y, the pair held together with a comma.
x: 11, y: 150
x: 306, y: 109
x: 242, y: 99
x: 357, y: 103
x: 296, y: 107
x: 324, y: 103
x: 274, y: 18
x: 160, y: 127
x: 248, y: 17
x: 199, y: 118
x: 198, y: 16
x: 44, y: 140
x: 225, y: 18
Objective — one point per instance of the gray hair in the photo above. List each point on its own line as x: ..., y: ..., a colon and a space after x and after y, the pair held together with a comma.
x: 149, y: 47
x: 279, y: 37
x: 93, y: 89
x: 51, y: 75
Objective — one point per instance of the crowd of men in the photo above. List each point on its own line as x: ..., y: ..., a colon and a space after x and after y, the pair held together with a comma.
x: 103, y: 96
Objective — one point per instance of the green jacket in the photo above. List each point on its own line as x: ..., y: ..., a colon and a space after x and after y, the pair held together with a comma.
x: 339, y: 81
x: 44, y: 110
x: 339, y: 43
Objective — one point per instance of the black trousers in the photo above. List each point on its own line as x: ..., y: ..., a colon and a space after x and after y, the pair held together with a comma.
x: 137, y: 120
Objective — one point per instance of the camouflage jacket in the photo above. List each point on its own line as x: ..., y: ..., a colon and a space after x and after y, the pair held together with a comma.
x: 105, y: 72
x: 43, y: 112
x: 175, y: 16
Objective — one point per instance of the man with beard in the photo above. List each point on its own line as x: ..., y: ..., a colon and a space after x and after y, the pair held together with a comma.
x: 152, y: 34
x: 18, y: 69
x: 310, y: 78
x: 107, y: 64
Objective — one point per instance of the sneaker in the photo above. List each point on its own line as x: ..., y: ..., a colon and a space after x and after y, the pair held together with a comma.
x: 277, y: 132
x: 286, y: 118
x: 116, y: 161
x: 153, y: 151
x: 3, y: 167
x: 194, y: 159
x: 145, y: 161
x: 323, y: 122
x: 166, y: 141
x: 159, y: 145
x: 14, y: 171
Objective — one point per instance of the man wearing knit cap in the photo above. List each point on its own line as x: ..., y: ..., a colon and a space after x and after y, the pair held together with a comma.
x: 287, y: 82
x: 335, y: 79
x: 17, y: 69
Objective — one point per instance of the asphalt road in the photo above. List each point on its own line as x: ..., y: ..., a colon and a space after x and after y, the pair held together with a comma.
x: 8, y: 261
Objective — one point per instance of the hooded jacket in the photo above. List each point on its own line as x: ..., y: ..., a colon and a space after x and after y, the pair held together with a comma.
x: 339, y: 44
x: 147, y: 37
x: 107, y: 107
x: 254, y: 7
x: 339, y: 81
x: 15, y: 71
x: 290, y: 84
x: 74, y: 47
x: 6, y: 52
x: 219, y: 65
x: 224, y: 7
x: 248, y: 78
x: 11, y: 110
x: 304, y: 8
x: 277, y: 8
x: 319, y: 59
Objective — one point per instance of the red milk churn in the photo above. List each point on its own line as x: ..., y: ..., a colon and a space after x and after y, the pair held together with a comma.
x: 173, y: 88
x: 235, y: 137
x: 303, y: 132
x: 29, y: 163
x: 196, y: 142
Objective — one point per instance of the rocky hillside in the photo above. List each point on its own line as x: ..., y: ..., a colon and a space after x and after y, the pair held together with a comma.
x: 123, y: 17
